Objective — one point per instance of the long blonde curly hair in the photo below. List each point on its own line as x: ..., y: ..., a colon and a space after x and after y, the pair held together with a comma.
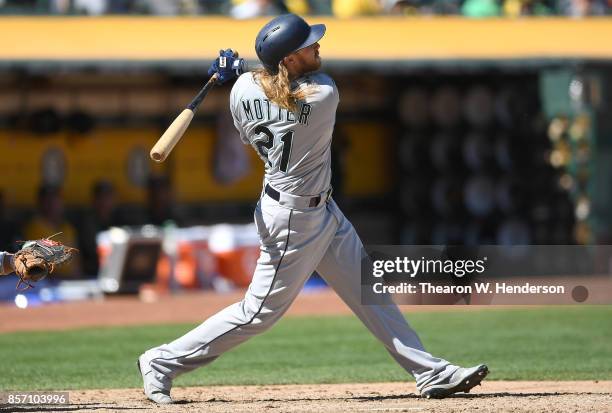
x: 278, y: 87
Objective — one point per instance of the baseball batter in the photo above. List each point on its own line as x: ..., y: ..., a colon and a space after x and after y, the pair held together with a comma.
x: 286, y: 112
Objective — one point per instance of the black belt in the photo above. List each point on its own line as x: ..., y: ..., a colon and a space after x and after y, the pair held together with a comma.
x: 275, y: 195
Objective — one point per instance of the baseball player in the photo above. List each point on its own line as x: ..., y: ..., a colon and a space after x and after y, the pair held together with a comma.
x: 286, y: 112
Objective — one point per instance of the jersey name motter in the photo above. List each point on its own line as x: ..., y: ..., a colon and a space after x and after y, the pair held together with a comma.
x: 260, y: 109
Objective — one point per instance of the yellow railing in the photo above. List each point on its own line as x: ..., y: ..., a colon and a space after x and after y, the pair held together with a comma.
x: 370, y: 39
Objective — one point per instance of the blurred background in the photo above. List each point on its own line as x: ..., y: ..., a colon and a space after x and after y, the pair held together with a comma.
x: 460, y: 122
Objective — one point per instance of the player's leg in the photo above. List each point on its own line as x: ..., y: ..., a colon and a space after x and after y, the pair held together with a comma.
x: 341, y: 268
x: 293, y: 242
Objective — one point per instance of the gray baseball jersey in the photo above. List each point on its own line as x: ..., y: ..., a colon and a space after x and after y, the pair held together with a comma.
x: 295, y: 242
x: 296, y: 147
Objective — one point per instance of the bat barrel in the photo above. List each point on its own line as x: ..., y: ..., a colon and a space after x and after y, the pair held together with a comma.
x: 171, y: 136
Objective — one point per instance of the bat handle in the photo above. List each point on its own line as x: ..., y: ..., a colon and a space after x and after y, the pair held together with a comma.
x: 202, y: 93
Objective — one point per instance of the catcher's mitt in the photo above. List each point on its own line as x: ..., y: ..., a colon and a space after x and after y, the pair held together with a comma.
x: 36, y: 259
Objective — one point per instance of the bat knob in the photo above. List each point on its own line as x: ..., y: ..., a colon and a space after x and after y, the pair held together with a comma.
x: 157, y: 157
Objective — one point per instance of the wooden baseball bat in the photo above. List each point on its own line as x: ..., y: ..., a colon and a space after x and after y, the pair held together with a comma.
x: 177, y: 128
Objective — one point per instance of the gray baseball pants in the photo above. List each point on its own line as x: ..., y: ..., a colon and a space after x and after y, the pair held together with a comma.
x: 294, y: 243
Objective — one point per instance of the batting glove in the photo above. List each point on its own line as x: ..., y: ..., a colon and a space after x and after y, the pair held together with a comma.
x: 227, y: 66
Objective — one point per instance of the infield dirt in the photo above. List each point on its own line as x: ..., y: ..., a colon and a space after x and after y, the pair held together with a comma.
x: 496, y: 396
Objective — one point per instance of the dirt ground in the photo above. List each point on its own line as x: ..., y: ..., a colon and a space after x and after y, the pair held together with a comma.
x: 495, y: 396
x: 528, y: 397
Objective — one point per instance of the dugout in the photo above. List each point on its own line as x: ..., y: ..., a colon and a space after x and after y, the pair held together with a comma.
x: 452, y: 130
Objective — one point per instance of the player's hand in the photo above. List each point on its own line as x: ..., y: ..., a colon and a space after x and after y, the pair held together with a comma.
x: 227, y: 66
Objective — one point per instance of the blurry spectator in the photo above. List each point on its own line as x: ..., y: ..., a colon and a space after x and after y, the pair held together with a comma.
x: 102, y: 215
x: 161, y: 208
x: 9, y: 232
x: 49, y: 221
x: 248, y: 9
x: 59, y: 6
x: 214, y: 6
x: 244, y: 9
x: 315, y: 7
x: 480, y: 8
x: 422, y: 7
x: 21, y: 7
x: 90, y: 7
x: 121, y: 7
x: 516, y: 8
x: 301, y: 7
x: 355, y: 8
x: 583, y: 8
x: 156, y: 7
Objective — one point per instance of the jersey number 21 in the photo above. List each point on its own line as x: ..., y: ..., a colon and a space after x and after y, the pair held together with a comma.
x: 266, y: 142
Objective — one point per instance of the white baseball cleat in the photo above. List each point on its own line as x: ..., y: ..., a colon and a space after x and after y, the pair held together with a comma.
x: 153, y: 392
x: 462, y: 380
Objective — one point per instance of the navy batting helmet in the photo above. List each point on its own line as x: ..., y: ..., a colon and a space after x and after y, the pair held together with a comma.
x: 282, y: 36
